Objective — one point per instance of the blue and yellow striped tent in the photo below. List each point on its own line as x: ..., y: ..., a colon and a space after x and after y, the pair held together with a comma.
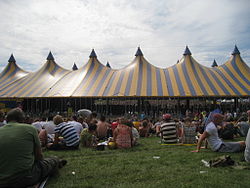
x: 35, y: 84
x: 187, y: 78
x: 11, y: 73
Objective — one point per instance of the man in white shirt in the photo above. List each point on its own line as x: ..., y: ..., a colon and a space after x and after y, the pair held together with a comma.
x: 78, y: 126
x: 247, y: 150
x: 216, y: 144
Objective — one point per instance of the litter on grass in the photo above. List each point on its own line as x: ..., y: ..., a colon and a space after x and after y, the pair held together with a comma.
x: 156, y: 157
x: 203, y: 172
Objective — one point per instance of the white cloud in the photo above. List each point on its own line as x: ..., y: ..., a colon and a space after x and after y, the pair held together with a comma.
x: 30, y: 29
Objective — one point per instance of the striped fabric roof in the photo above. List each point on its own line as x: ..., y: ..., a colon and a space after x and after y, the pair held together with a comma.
x: 35, y: 84
x: 187, y: 78
x: 11, y: 73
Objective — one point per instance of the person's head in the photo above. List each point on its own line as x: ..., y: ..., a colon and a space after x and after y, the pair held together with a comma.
x: 121, y: 120
x: 50, y: 118
x: 74, y: 118
x: 94, y: 121
x: 15, y: 115
x: 102, y: 118
x: 92, y: 127
x: 80, y: 119
x: 129, y: 123
x: 57, y: 119
x: 166, y: 117
x: 243, y: 118
x: 187, y: 121
x: 218, y: 118
x: 228, y: 118
x: 248, y: 113
x: 144, y: 124
x: 94, y: 114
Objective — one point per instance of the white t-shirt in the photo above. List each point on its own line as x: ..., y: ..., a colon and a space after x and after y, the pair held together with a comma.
x: 247, y: 150
x: 78, y: 126
x: 213, y: 139
x: 49, y: 127
x: 38, y: 125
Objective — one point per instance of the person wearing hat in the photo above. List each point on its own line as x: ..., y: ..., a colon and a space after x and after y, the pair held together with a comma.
x: 216, y: 144
x: 168, y: 130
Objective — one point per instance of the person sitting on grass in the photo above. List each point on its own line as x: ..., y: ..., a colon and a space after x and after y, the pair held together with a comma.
x: 21, y: 162
x: 123, y: 134
x: 216, y: 144
x: 102, y: 128
x: 188, y: 132
x: 243, y: 125
x: 168, y: 130
x: 135, y: 133
x: 88, y: 137
x: 67, y: 131
x: 144, y: 128
x: 247, y: 150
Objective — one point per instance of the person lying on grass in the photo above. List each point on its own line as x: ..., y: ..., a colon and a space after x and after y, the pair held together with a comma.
x: 88, y: 136
x: 21, y: 162
x: 216, y: 144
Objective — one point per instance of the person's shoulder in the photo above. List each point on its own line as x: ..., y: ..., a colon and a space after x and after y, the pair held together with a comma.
x: 26, y: 126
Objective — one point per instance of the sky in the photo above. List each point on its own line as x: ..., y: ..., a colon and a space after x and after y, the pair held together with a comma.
x: 70, y: 29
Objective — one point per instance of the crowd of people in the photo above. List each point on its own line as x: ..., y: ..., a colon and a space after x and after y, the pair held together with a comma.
x: 24, y: 138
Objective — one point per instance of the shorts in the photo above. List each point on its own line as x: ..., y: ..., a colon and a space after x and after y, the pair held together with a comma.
x: 230, y: 147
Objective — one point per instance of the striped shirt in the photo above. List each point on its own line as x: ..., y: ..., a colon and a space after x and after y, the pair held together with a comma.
x: 168, y: 130
x: 68, y: 132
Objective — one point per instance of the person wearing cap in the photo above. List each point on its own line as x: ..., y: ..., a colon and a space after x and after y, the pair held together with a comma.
x: 216, y: 144
x: 168, y: 130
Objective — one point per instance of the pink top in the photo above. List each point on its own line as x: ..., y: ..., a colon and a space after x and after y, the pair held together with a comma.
x: 123, y: 135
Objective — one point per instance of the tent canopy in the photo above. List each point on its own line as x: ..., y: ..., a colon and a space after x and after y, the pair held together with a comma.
x: 187, y: 78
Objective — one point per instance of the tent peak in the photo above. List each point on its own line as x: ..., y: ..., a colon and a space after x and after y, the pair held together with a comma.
x: 11, y: 59
x: 74, y: 67
x: 236, y: 51
x: 187, y: 51
x: 139, y: 52
x: 214, y: 64
x: 92, y: 54
x: 50, y: 57
x: 108, y: 65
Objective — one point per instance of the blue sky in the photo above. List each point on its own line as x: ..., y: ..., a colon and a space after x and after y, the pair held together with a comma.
x: 115, y: 28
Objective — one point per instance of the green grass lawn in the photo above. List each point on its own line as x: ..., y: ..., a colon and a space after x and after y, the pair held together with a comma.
x: 137, y: 167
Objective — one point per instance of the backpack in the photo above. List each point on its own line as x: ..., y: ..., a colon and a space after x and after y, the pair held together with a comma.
x: 222, y: 161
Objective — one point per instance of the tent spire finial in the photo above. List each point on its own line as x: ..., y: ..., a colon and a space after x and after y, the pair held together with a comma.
x: 50, y: 57
x: 93, y: 54
x: 236, y: 51
x: 12, y: 59
x: 187, y: 51
x: 74, y: 67
x: 214, y: 64
x: 108, y: 65
x: 139, y: 52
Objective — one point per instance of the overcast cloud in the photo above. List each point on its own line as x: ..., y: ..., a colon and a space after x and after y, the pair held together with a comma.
x: 115, y: 28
